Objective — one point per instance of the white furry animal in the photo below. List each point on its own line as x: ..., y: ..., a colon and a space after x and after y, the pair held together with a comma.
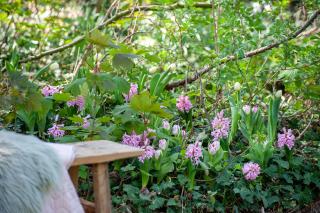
x: 29, y: 169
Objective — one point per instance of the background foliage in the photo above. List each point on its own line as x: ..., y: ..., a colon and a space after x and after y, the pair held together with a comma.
x: 96, y: 49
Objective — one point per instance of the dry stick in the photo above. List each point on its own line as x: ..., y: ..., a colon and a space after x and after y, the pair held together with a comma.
x: 215, y: 17
x: 134, y: 26
x: 109, y: 21
x: 83, y: 58
x: 305, y: 129
x: 248, y: 54
x: 110, y: 9
x: 90, y: 46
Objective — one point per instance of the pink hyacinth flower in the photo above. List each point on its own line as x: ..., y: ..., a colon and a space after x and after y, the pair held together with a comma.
x: 50, y: 90
x: 56, y: 131
x: 162, y: 144
x: 251, y: 170
x: 183, y: 103
x: 194, y: 152
x: 149, y: 152
x: 131, y: 140
x: 86, y: 122
x: 78, y: 101
x: 165, y: 124
x: 183, y: 133
x: 220, y: 126
x: 132, y: 91
x: 286, y: 139
x: 175, y: 129
x: 214, y: 147
x: 246, y: 109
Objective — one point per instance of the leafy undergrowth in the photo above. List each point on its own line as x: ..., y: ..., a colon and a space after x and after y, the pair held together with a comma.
x: 226, y: 108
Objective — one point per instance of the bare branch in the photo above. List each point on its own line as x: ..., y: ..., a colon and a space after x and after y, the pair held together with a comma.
x: 248, y: 54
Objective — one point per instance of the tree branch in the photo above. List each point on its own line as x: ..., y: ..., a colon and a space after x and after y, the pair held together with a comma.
x: 111, y: 20
x: 248, y: 54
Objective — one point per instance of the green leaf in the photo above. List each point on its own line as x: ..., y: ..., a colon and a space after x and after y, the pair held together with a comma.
x: 152, y: 58
x: 29, y: 118
x: 171, y: 202
x: 100, y: 39
x: 76, y: 119
x: 283, y: 164
x: 164, y: 170
x: 73, y: 87
x: 46, y: 106
x: 62, y: 97
x: 122, y: 61
x: 143, y: 103
x: 157, y: 203
x: 182, y: 179
x: 313, y: 91
x: 41, y: 71
x: 104, y: 119
x: 103, y: 81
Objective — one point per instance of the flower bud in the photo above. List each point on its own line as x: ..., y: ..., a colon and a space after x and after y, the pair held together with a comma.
x: 157, y: 154
x: 237, y: 86
x: 54, y: 66
x: 279, y: 93
x: 246, y: 109
x: 175, y: 129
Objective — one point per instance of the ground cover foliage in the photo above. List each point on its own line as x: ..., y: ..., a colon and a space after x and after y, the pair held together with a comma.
x: 223, y: 96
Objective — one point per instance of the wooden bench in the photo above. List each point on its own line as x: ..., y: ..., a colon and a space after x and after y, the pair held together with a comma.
x: 99, y: 154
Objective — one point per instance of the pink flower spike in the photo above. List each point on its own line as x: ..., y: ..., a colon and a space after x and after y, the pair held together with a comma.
x: 251, y: 171
x: 214, y: 147
x: 162, y: 144
x: 132, y: 91
x: 149, y: 152
x: 183, y: 103
x: 194, y: 152
x: 79, y: 102
x: 183, y: 133
x: 50, y: 90
x: 255, y: 109
x: 220, y: 126
x: 165, y: 124
x: 86, y: 122
x: 131, y: 140
x: 56, y: 131
x: 286, y: 139
x: 246, y: 109
x: 175, y: 129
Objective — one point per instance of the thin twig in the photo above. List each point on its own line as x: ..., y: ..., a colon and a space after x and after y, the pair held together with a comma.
x: 305, y: 129
x: 82, y: 59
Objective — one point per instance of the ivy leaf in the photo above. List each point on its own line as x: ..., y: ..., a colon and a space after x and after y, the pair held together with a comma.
x: 157, y: 203
x: 283, y: 164
x: 171, y: 202
x: 182, y: 179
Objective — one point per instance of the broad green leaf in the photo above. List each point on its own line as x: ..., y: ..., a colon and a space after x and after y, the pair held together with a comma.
x: 62, y: 97
x: 100, y: 39
x: 122, y: 61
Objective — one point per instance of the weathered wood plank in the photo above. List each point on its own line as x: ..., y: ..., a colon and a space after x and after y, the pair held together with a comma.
x: 101, y: 187
x: 74, y: 175
x: 89, y: 207
x: 92, y: 152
